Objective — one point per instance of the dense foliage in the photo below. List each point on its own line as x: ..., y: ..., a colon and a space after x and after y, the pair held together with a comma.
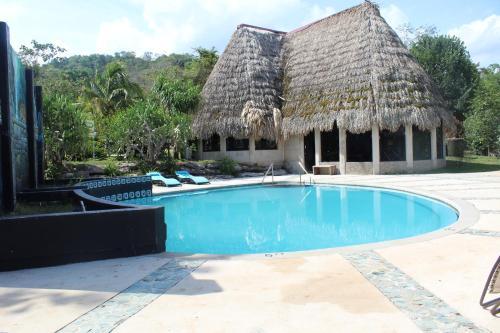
x: 133, y: 107
x: 482, y: 126
x: 448, y: 62
x: 66, y: 132
x: 147, y: 131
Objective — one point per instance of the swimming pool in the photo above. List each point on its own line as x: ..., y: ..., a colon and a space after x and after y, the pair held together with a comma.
x: 286, y: 218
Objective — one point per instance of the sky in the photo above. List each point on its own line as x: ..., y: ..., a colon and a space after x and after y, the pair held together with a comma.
x: 166, y: 26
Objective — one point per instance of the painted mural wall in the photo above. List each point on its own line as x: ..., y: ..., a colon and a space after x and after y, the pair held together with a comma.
x: 17, y: 83
x: 21, y: 134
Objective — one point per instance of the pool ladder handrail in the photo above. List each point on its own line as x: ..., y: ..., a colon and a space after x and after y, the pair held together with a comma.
x: 311, y: 178
x: 271, y: 168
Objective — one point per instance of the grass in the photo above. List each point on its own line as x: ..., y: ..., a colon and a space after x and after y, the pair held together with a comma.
x: 102, y: 163
x: 31, y: 208
x: 470, y: 163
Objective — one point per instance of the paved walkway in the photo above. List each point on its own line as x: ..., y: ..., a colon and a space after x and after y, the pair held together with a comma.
x: 423, y: 285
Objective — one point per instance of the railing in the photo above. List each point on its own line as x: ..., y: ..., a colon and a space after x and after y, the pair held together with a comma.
x: 271, y: 168
x: 311, y: 179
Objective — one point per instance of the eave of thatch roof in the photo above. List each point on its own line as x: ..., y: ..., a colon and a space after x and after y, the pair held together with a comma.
x: 243, y: 91
x: 350, y: 68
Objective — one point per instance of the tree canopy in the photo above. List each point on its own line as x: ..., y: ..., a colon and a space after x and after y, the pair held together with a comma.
x: 138, y: 107
x: 111, y: 89
x: 448, y: 62
x: 482, y: 126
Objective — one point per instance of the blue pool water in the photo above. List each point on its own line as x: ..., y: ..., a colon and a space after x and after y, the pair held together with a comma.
x: 264, y: 219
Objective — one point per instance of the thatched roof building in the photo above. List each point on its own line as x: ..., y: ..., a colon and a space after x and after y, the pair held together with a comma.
x: 350, y: 68
x: 244, y: 87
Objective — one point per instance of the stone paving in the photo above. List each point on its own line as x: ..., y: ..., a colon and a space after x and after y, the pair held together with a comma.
x: 426, y: 285
x: 429, y: 312
x: 116, y: 310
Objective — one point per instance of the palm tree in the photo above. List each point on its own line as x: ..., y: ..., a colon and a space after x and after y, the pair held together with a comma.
x: 111, y: 90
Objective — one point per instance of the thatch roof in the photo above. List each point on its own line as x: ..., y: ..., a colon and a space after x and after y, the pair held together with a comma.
x: 244, y: 87
x: 350, y: 68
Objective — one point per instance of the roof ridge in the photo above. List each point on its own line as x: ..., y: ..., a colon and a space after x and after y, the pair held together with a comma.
x: 244, y: 25
x: 366, y: 2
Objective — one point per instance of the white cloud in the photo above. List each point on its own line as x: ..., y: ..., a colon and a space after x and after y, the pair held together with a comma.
x: 316, y: 13
x: 123, y: 35
x: 178, y: 26
x: 10, y: 11
x: 482, y: 38
x: 394, y: 16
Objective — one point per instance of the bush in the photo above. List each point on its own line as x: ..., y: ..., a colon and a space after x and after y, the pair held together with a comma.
x: 482, y: 126
x: 168, y: 165
x: 66, y: 134
x: 227, y: 166
x: 144, y: 167
x: 111, y: 170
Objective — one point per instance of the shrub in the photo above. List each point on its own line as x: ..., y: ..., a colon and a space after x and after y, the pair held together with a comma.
x: 111, y: 169
x: 168, y: 165
x: 227, y: 166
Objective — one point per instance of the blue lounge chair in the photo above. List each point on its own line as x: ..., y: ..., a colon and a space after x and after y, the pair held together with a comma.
x: 156, y: 176
x: 186, y: 176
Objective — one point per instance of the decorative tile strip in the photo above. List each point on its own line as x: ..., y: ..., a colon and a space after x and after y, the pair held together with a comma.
x: 428, y: 312
x: 479, y: 232
x: 480, y: 198
x: 489, y: 211
x: 113, y: 312
x: 121, y: 188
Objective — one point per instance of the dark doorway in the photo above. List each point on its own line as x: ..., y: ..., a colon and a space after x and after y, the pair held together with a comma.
x: 421, y: 144
x: 359, y: 147
x: 233, y: 144
x: 330, y: 145
x: 309, y: 148
x: 392, y: 145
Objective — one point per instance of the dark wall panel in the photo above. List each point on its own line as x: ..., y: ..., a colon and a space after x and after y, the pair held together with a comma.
x: 421, y: 144
x: 359, y: 147
x: 392, y: 145
x: 330, y: 145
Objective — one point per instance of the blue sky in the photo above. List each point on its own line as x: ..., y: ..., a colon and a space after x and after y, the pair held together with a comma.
x: 165, y: 26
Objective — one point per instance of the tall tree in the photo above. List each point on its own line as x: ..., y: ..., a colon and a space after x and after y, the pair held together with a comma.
x: 39, y: 53
x: 65, y: 129
x: 110, y: 90
x: 145, y: 130
x: 448, y: 62
x: 176, y: 94
x: 482, y: 126
x: 200, y: 68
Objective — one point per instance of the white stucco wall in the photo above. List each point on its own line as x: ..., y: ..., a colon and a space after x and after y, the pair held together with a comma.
x: 394, y: 167
x: 293, y: 153
x: 260, y: 157
x: 359, y: 168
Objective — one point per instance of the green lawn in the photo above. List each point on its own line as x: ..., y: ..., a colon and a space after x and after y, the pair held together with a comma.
x: 102, y: 163
x: 470, y: 163
x: 31, y: 208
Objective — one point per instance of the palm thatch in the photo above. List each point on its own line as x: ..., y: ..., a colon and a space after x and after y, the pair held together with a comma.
x: 350, y: 68
x: 244, y: 87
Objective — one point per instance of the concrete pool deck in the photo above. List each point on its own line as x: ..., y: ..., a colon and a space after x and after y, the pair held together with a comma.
x: 430, y: 284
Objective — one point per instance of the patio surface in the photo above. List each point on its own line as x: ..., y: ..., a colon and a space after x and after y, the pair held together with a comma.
x: 429, y: 284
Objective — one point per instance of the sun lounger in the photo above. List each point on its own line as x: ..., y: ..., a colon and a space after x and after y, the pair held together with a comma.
x: 186, y: 176
x: 492, y: 286
x: 156, y: 176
